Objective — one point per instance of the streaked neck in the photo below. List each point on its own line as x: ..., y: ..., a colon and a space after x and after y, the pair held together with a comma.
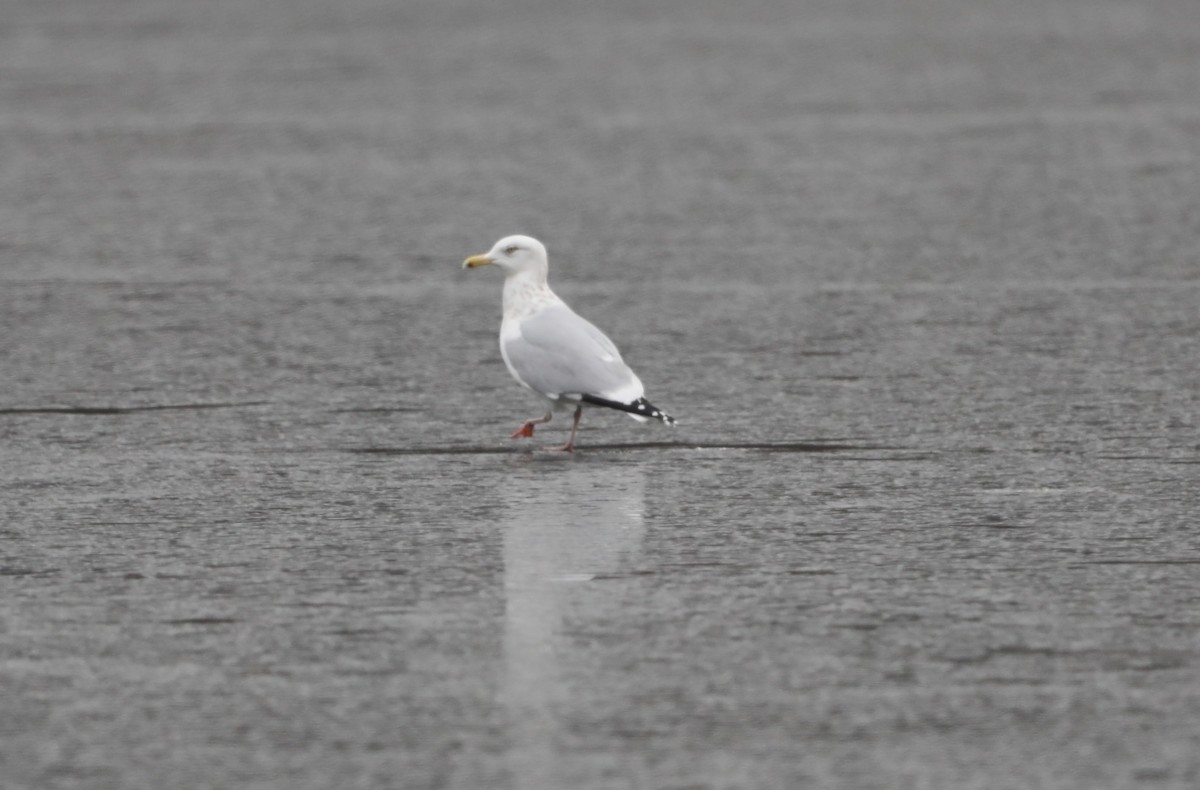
x: 525, y: 293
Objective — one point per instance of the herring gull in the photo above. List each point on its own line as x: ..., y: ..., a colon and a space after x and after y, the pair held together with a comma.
x: 554, y: 351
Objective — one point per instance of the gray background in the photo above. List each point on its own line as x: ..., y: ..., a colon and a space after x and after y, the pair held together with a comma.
x: 920, y: 280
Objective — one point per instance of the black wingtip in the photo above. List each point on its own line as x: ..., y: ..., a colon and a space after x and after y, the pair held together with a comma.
x: 641, y: 407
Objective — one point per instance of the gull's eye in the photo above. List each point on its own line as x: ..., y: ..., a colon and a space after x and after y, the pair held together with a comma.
x: 510, y: 250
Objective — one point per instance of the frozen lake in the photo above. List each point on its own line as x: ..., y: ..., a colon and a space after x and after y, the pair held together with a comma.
x: 921, y: 288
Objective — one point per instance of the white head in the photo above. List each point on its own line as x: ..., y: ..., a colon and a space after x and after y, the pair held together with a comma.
x: 513, y: 254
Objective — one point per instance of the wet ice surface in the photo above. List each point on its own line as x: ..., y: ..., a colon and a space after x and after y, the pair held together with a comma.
x: 948, y: 530
x: 928, y: 317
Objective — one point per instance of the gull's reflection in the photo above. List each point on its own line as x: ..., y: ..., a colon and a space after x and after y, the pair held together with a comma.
x: 564, y: 523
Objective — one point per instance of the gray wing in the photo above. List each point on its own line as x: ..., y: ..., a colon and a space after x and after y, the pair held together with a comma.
x: 558, y: 352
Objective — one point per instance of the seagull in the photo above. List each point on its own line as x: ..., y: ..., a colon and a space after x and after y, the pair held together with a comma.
x: 552, y: 350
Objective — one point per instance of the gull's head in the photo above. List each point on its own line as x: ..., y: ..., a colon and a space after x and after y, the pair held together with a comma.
x: 513, y: 254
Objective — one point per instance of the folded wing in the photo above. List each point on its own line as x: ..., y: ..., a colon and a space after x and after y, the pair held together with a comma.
x: 558, y: 353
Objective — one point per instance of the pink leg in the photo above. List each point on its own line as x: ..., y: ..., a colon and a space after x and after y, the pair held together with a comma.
x: 526, y: 430
x: 570, y: 445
